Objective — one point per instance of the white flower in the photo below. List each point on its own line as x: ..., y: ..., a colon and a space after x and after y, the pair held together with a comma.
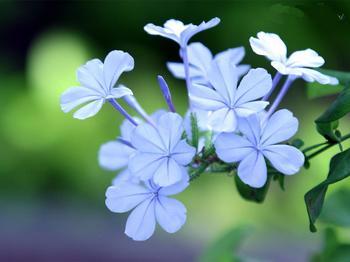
x: 297, y: 64
x: 97, y: 81
x: 178, y: 31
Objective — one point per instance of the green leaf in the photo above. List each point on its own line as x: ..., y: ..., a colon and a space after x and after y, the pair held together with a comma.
x: 252, y: 194
x: 328, y: 121
x: 224, y: 247
x: 337, y: 209
x: 315, y: 89
x: 339, y: 169
x: 194, y: 130
x: 298, y: 143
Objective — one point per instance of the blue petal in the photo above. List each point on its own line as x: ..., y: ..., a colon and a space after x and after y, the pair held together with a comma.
x: 206, y: 98
x: 254, y: 85
x: 89, y: 110
x: 158, y: 30
x: 90, y: 75
x: 119, y: 92
x: 249, y: 108
x: 223, y: 120
x: 232, y: 148
x: 146, y: 138
x: 126, y: 196
x: 223, y: 76
x: 76, y: 96
x: 252, y: 170
x: 199, y: 56
x: 170, y: 126
x: 183, y: 153
x: 235, y: 55
x: 250, y: 128
x: 178, y: 70
x: 286, y: 159
x: 124, y: 176
x: 170, y: 214
x: 141, y: 222
x: 114, y: 155
x: 177, y: 187
x: 281, y: 126
x: 127, y: 128
x: 168, y: 172
x: 116, y: 62
x: 144, y: 165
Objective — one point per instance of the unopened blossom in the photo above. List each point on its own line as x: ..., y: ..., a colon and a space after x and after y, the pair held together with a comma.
x: 227, y: 100
x: 178, y: 31
x: 97, y: 82
x: 260, y: 141
x: 298, y: 63
x: 150, y: 204
x: 161, y: 154
x: 200, y: 59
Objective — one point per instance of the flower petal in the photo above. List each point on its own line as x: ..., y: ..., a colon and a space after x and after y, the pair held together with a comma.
x: 170, y: 126
x: 124, y: 176
x: 269, y: 45
x: 90, y: 76
x: 116, y: 62
x: 119, y: 92
x: 126, y: 196
x: 144, y: 165
x: 183, y: 153
x: 235, y: 54
x: 250, y: 108
x: 232, y: 148
x: 305, y: 58
x: 254, y: 85
x: 250, y: 128
x: 146, y: 138
x: 158, y: 30
x: 170, y: 214
x: 177, y: 187
x: 311, y: 75
x: 114, y: 155
x: 281, y: 126
x: 76, y: 96
x: 205, y: 98
x: 89, y: 110
x: 223, y: 120
x: 252, y: 170
x: 199, y: 56
x: 141, y: 222
x: 168, y: 173
x: 223, y: 76
x: 286, y: 159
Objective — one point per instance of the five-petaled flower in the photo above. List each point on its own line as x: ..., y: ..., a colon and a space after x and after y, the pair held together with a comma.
x: 161, y: 154
x: 151, y: 204
x: 259, y: 141
x: 200, y: 60
x: 178, y: 31
x: 297, y: 64
x: 97, y: 81
x: 225, y: 100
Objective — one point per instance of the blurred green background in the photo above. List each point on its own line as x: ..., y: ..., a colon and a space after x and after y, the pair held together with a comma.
x: 51, y: 187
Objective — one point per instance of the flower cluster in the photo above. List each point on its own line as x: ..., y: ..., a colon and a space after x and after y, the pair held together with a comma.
x: 230, y: 122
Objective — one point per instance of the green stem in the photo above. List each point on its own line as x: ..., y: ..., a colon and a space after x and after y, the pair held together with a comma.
x: 314, y: 146
x: 328, y: 145
x: 201, y: 169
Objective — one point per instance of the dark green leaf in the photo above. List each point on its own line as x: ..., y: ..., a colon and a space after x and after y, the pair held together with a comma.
x: 328, y: 121
x: 252, y: 194
x: 339, y: 169
x: 337, y: 209
x: 194, y: 130
x: 223, y: 249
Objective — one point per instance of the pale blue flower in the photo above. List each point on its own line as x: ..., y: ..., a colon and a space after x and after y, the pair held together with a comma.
x: 150, y: 204
x: 97, y: 81
x: 200, y: 59
x: 161, y: 154
x: 178, y: 31
x: 226, y: 102
x: 259, y: 141
x: 297, y: 64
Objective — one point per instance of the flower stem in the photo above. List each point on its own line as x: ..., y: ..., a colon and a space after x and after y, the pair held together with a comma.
x: 275, y: 82
x: 280, y: 95
x: 121, y: 110
x: 328, y: 145
x: 315, y: 146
